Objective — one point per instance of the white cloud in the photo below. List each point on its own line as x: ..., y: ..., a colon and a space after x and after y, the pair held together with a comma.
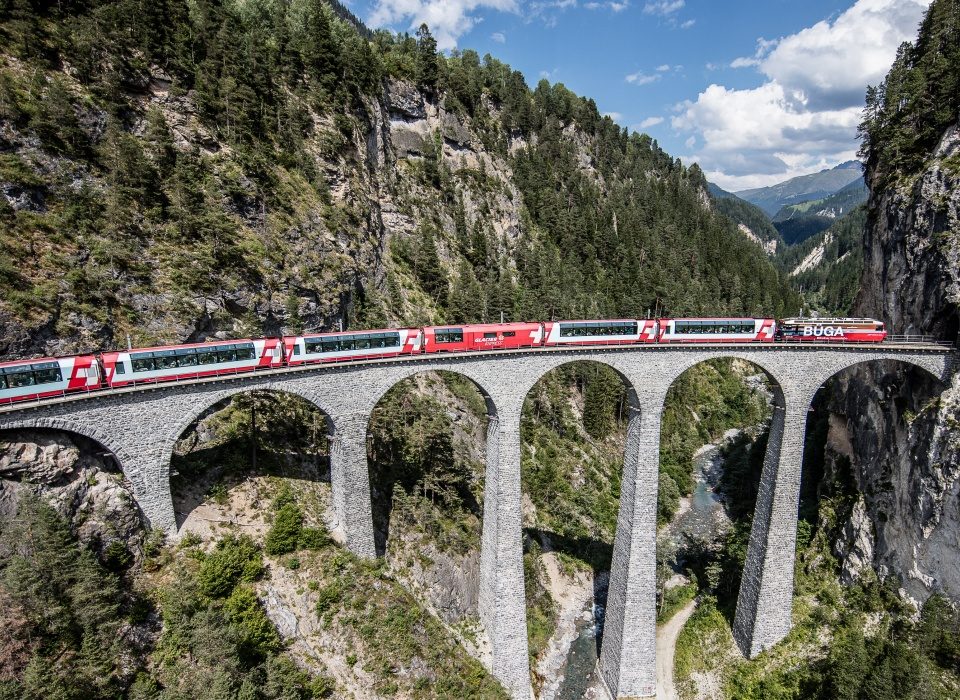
x: 648, y: 122
x: 499, y: 37
x: 663, y: 68
x: 832, y: 63
x: 641, y: 78
x: 448, y: 19
x: 764, y: 47
x: 663, y: 7
x: 804, y: 116
x: 612, y: 6
x: 547, y: 10
x: 689, y: 23
x: 615, y: 116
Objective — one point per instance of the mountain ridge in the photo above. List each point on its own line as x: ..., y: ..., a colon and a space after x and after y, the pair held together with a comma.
x: 803, y: 188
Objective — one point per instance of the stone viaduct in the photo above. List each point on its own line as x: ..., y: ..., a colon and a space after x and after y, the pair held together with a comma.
x: 140, y: 427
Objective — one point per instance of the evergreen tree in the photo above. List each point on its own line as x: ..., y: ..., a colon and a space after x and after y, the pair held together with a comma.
x: 427, y: 266
x: 428, y: 62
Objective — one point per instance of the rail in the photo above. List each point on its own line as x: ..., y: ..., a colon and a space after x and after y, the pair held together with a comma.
x: 918, y: 342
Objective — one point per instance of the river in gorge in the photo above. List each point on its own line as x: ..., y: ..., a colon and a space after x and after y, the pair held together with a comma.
x: 701, y: 516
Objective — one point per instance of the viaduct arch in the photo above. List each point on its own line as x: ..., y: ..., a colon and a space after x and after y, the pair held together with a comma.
x: 141, y: 425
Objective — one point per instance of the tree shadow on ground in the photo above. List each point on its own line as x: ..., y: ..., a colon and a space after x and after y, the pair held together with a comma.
x: 195, y: 476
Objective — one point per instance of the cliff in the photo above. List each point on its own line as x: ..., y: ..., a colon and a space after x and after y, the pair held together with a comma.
x: 900, y: 428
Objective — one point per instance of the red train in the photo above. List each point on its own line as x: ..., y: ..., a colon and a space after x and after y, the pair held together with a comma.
x: 49, y: 377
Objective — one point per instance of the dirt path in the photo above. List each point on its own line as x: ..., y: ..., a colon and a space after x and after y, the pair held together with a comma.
x: 666, y: 646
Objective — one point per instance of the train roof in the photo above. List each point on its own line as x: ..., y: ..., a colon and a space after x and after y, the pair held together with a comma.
x: 810, y: 320
x: 366, y: 331
x: 488, y: 326
x: 205, y: 344
x: 602, y: 320
x: 716, y: 318
x: 38, y: 360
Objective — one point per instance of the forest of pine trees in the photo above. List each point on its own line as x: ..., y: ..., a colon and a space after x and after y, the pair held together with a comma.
x: 908, y: 113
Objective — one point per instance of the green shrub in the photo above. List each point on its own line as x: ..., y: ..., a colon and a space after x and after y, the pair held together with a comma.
x: 235, y: 559
x: 323, y: 686
x: 257, y: 634
x: 313, y: 538
x: 284, y: 536
x: 219, y: 494
x: 329, y: 596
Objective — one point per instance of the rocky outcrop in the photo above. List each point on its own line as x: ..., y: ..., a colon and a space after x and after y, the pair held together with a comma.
x: 855, y: 548
x: 328, y: 244
x: 79, y: 479
x: 769, y: 247
x: 904, y: 428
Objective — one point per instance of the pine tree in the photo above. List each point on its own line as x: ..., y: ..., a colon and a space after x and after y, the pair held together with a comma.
x: 427, y: 267
x: 428, y: 63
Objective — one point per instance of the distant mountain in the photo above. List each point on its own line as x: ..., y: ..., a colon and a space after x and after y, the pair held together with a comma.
x: 804, y: 188
x: 752, y: 221
x: 836, y: 205
x: 798, y: 222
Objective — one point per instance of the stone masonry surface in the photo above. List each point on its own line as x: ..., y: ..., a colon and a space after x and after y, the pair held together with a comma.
x: 141, y: 427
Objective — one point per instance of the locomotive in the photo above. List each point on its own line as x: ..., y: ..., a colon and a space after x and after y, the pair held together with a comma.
x: 24, y: 380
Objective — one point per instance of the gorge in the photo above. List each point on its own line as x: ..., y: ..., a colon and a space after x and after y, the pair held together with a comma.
x: 247, y: 169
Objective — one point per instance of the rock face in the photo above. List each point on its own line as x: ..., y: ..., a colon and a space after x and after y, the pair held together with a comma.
x: 77, y: 479
x: 903, y: 426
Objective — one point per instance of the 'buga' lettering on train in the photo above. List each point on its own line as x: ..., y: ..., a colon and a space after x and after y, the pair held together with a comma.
x: 826, y: 331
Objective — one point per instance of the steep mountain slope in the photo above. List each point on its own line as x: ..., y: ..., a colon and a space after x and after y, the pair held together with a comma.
x: 833, y: 207
x: 826, y: 267
x: 804, y: 188
x: 752, y: 221
x: 200, y: 180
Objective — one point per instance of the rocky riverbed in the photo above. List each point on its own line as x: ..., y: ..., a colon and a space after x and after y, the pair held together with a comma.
x: 701, y: 517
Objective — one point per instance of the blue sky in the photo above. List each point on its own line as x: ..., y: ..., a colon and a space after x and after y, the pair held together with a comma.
x: 755, y: 91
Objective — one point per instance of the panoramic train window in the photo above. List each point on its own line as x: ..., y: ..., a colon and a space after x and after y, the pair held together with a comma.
x: 187, y: 358
x: 47, y: 373
x: 714, y: 326
x: 509, y: 334
x: 142, y: 363
x: 449, y: 335
x: 597, y: 328
x: 20, y: 379
x: 489, y: 335
x: 190, y: 357
x: 340, y: 343
x: 40, y: 373
x: 207, y: 357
